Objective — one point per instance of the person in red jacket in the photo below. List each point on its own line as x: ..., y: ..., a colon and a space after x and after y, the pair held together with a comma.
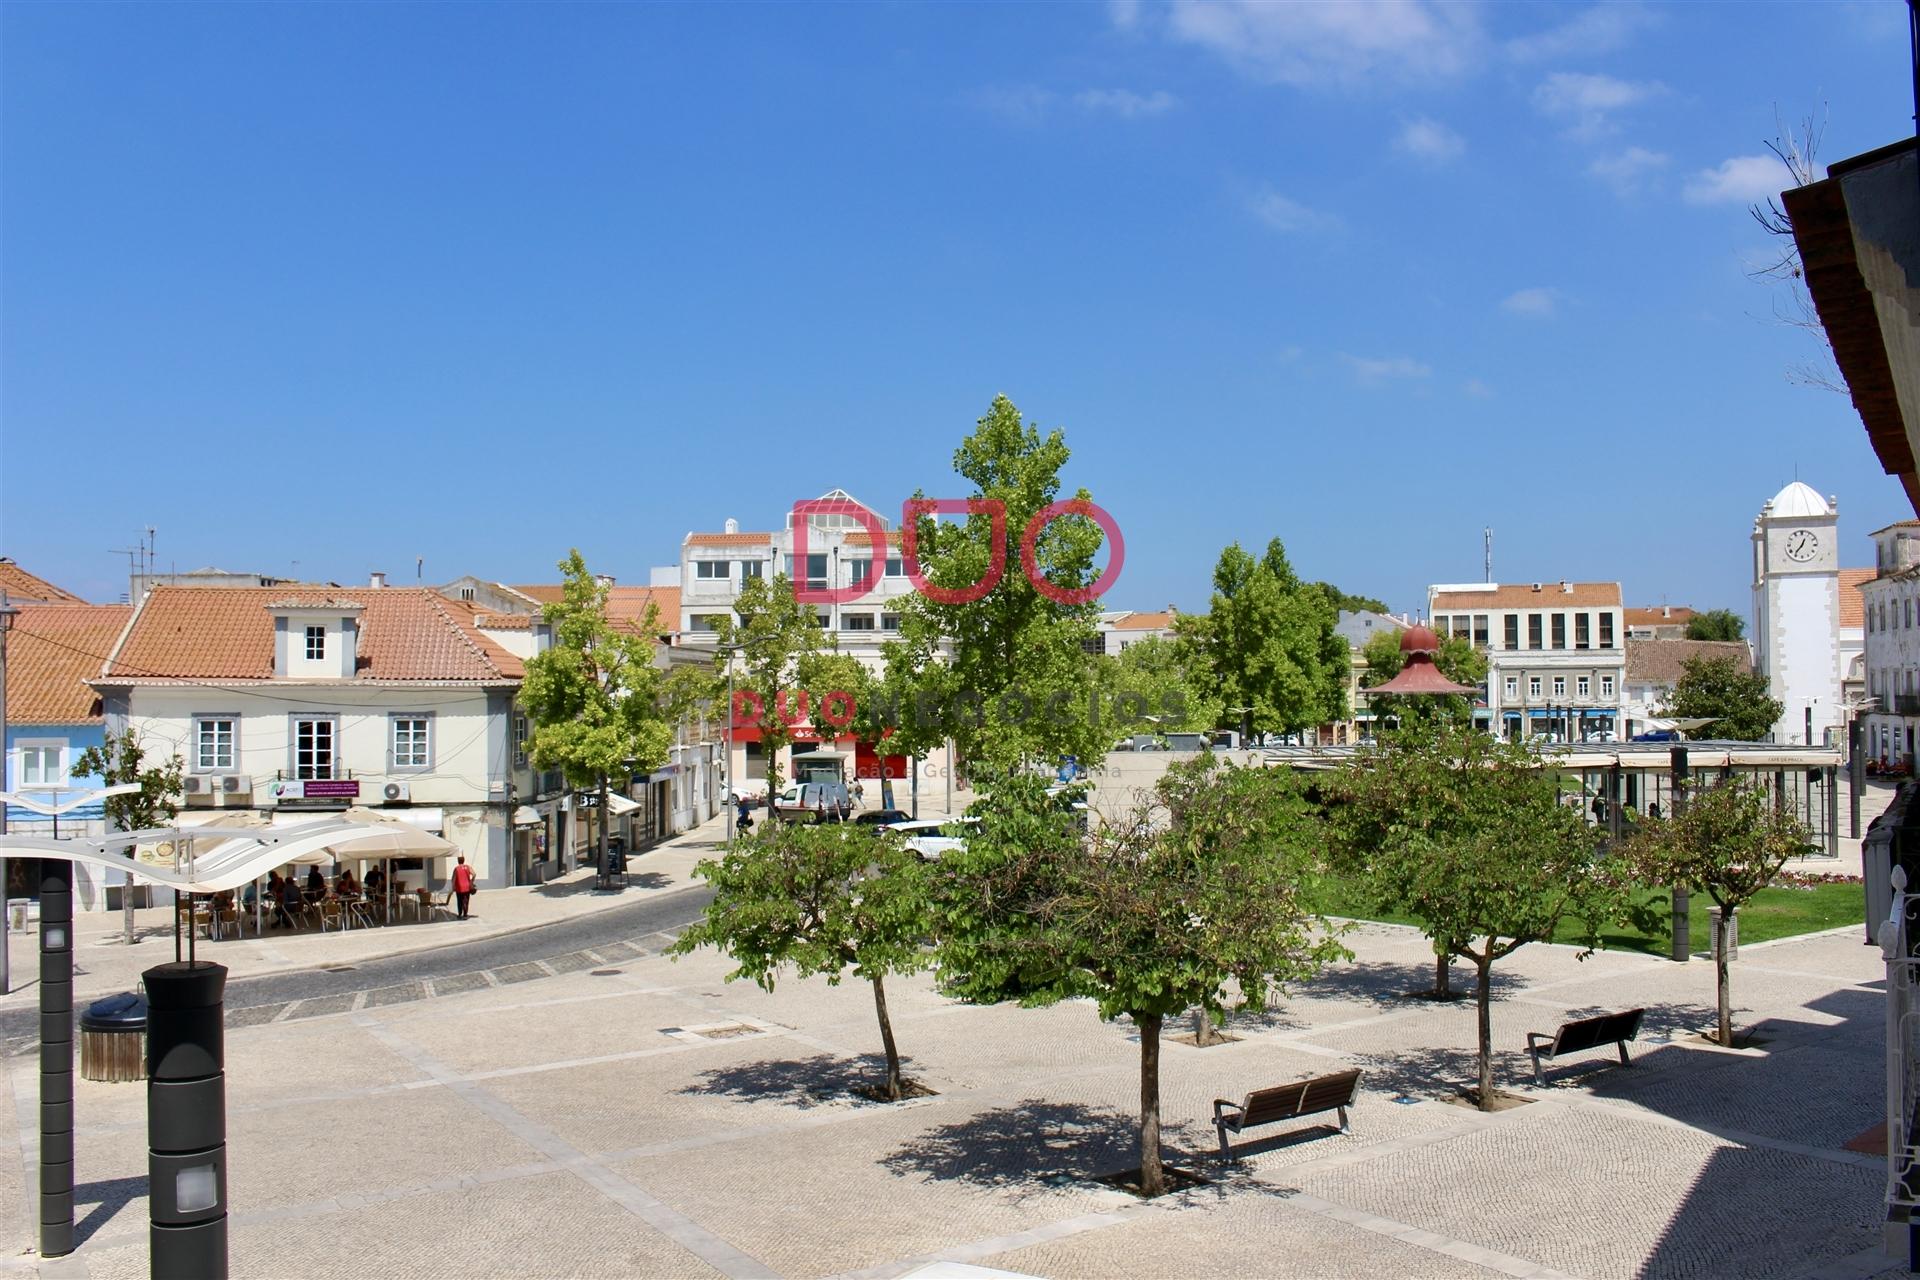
x: 463, y: 885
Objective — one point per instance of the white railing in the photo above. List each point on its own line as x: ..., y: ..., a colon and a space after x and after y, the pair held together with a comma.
x: 1896, y: 938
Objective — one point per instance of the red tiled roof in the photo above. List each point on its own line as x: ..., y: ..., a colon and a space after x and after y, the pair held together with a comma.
x: 22, y: 586
x: 1669, y: 616
x: 226, y: 633
x: 1146, y: 621
x: 51, y: 650
x: 1660, y: 662
x: 1521, y: 595
x: 1853, y: 607
x: 728, y: 539
x: 626, y: 605
x: 494, y: 621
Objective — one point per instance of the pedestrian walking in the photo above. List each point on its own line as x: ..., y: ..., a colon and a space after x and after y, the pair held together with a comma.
x: 463, y: 885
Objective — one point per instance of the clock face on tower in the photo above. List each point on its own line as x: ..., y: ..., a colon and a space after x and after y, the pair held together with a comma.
x: 1802, y: 545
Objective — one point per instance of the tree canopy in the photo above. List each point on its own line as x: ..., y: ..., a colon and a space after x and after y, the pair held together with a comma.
x: 767, y: 637
x: 1161, y: 678
x: 1729, y: 693
x: 1346, y: 603
x: 1457, y: 660
x: 1193, y: 899
x: 1717, y: 624
x: 1015, y: 685
x: 1270, y: 644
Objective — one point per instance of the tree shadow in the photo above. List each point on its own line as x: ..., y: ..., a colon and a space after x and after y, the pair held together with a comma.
x: 822, y: 1080
x: 108, y: 1198
x: 1391, y: 981
x: 1030, y: 1147
x: 588, y: 885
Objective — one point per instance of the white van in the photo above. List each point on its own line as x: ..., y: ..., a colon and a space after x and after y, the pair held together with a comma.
x: 814, y: 802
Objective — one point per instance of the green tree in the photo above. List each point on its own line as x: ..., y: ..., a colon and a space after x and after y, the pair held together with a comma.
x: 1015, y: 685
x: 1270, y: 643
x: 1194, y: 896
x: 118, y: 760
x: 1728, y: 842
x: 1470, y: 837
x: 1156, y: 677
x: 823, y: 901
x: 1728, y: 692
x: 594, y: 695
x: 1457, y: 660
x: 1717, y: 624
x: 768, y: 634
x: 1350, y: 603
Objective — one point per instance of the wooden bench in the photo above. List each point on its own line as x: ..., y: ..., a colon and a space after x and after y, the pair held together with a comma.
x: 1336, y: 1092
x: 1584, y: 1034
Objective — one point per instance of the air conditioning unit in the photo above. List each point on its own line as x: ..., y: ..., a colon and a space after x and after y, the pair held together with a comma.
x: 236, y: 784
x: 396, y: 791
x: 195, y: 784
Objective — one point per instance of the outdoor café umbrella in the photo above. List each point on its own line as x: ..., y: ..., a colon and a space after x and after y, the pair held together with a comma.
x: 392, y: 839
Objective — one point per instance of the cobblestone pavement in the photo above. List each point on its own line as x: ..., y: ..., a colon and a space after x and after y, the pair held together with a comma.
x: 624, y: 1114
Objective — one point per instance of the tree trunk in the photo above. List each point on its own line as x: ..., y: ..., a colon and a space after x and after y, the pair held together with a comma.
x: 126, y: 903
x: 602, y: 844
x: 1152, y: 1178
x: 1724, y: 928
x: 886, y: 1039
x: 1486, y: 1032
x: 1204, y: 1032
x: 1442, y: 971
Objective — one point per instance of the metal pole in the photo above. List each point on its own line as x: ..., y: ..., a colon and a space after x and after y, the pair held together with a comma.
x: 56, y: 1057
x: 1856, y: 776
x: 1682, y: 943
x: 949, y: 777
x: 728, y: 771
x: 1832, y: 777
x: 6, y: 924
x: 186, y: 1121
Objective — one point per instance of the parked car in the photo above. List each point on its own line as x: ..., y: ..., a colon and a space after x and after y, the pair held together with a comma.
x: 882, y: 818
x: 931, y: 837
x: 751, y: 790
x: 1657, y: 735
x: 814, y: 802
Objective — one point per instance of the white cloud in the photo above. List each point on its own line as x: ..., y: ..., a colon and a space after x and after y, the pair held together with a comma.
x: 1601, y: 29
x: 1587, y: 102
x: 1626, y: 171
x: 1285, y: 214
x: 1291, y: 354
x: 1531, y: 302
x: 1124, y: 14
x: 1380, y: 368
x: 1430, y: 141
x: 1312, y: 42
x: 1125, y: 103
x: 1016, y: 104
x: 1477, y: 389
x: 1740, y: 180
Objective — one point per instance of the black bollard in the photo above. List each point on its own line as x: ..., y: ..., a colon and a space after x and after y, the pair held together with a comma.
x: 1682, y: 941
x: 56, y: 1057
x: 186, y: 1121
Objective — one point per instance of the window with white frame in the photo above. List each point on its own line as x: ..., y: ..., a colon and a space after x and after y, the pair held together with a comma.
x: 712, y: 569
x: 858, y: 567
x: 896, y: 567
x: 316, y: 643
x: 1559, y: 686
x: 752, y: 569
x: 213, y: 743
x: 1513, y: 686
x: 313, y: 749
x: 856, y: 622
x: 1606, y: 686
x: 1581, y: 688
x: 43, y: 764
x: 889, y: 622
x: 1533, y: 686
x: 411, y: 745
x: 705, y: 621
x: 520, y: 741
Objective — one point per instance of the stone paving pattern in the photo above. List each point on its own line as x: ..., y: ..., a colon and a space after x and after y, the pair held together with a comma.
x: 574, y: 1123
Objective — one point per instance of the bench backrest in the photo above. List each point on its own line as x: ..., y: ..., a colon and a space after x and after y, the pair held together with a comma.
x: 1323, y: 1093
x: 1591, y: 1033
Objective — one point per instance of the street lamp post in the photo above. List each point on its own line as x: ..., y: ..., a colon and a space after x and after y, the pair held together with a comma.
x: 7, y: 615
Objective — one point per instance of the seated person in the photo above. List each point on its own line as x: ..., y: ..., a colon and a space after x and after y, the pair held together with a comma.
x: 288, y: 901
x: 316, y: 883
x: 348, y: 887
x: 376, y: 882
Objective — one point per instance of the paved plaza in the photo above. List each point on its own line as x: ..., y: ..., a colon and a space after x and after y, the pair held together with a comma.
x: 617, y: 1113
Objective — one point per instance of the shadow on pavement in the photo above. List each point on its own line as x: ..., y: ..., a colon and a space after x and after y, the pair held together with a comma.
x: 1389, y: 981
x: 589, y: 885
x: 805, y: 1082
x: 1032, y: 1145
x: 108, y: 1199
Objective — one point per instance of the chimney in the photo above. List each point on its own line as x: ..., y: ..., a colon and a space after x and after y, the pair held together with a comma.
x: 604, y: 579
x: 732, y: 525
x: 1566, y: 588
x: 376, y: 579
x: 1665, y: 612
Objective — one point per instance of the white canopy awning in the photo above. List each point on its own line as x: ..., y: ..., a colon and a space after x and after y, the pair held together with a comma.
x: 618, y: 804
x: 210, y: 858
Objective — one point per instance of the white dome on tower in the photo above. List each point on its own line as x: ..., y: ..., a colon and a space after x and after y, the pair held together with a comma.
x: 1798, y: 501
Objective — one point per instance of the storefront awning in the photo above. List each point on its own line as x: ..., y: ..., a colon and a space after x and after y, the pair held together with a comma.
x: 527, y: 816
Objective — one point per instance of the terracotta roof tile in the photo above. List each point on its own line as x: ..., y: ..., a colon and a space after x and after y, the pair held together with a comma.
x: 728, y: 540
x: 1853, y: 606
x: 22, y: 586
x: 1665, y: 616
x: 626, y: 605
x: 51, y: 650
x: 1659, y: 662
x: 1521, y: 595
x: 226, y: 633
x: 541, y: 592
x: 1146, y: 621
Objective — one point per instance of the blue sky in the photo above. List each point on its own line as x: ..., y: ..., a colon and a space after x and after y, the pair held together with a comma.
x: 347, y: 285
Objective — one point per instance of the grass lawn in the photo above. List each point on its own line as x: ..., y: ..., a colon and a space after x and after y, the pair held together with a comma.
x: 1773, y: 913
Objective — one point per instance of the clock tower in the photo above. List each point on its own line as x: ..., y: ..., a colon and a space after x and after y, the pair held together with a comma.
x: 1796, y: 610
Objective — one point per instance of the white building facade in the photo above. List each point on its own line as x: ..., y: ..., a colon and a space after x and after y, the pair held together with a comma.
x: 1891, y: 602
x: 1556, y: 657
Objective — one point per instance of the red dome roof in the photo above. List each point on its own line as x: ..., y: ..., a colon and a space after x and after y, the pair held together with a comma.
x: 1418, y: 639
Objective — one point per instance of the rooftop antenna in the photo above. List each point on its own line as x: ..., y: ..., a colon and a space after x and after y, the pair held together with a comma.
x: 418, y: 563
x: 1486, y: 538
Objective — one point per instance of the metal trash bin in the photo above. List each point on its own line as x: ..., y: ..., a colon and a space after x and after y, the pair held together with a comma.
x: 113, y: 1035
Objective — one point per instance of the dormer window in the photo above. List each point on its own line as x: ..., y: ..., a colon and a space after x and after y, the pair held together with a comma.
x: 316, y: 643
